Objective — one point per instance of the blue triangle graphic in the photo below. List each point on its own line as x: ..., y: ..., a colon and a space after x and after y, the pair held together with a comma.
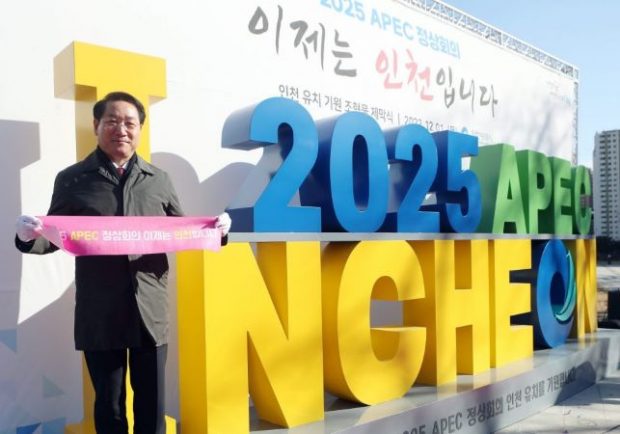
x: 56, y: 426
x: 27, y: 429
x: 9, y: 338
x: 50, y: 389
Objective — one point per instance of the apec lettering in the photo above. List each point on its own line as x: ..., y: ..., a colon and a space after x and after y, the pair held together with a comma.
x: 526, y: 192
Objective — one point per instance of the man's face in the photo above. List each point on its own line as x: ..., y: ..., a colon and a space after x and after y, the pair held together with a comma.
x: 118, y: 131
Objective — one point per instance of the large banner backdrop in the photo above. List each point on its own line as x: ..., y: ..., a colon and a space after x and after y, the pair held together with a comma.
x: 194, y: 64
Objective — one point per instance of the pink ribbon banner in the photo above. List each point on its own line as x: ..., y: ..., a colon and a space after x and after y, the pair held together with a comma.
x: 81, y: 235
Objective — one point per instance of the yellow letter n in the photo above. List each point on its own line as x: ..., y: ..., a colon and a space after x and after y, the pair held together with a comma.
x: 250, y: 324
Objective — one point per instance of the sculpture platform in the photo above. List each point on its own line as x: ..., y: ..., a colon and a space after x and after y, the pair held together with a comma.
x: 481, y: 403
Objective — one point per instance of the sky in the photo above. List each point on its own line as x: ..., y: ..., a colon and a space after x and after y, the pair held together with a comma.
x: 583, y: 33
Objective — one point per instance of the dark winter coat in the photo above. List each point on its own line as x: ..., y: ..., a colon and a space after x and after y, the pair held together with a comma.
x: 117, y: 298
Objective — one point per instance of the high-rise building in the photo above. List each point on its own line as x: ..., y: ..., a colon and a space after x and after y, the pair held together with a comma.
x: 606, y: 177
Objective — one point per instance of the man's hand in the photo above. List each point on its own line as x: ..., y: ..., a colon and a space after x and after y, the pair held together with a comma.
x: 223, y: 223
x: 28, y: 228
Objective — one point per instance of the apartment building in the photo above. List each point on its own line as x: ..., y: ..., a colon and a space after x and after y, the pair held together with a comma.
x: 606, y: 180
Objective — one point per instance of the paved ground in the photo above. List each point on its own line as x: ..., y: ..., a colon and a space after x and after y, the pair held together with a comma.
x: 592, y: 411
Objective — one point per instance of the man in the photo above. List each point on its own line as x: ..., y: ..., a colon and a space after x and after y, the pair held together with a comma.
x: 121, y: 302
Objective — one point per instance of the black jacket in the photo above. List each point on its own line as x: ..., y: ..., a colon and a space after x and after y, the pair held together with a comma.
x: 117, y: 298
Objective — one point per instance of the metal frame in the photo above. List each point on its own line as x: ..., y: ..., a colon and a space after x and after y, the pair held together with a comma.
x: 493, y: 34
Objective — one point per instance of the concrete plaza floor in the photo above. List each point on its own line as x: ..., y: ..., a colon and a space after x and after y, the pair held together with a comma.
x: 595, y: 409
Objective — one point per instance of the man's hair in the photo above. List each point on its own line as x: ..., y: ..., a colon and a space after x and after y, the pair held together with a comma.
x: 100, y: 106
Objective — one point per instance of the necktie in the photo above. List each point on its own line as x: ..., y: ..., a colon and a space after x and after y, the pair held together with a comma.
x: 120, y: 171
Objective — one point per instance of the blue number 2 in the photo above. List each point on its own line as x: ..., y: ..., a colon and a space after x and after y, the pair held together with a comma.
x: 286, y: 123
